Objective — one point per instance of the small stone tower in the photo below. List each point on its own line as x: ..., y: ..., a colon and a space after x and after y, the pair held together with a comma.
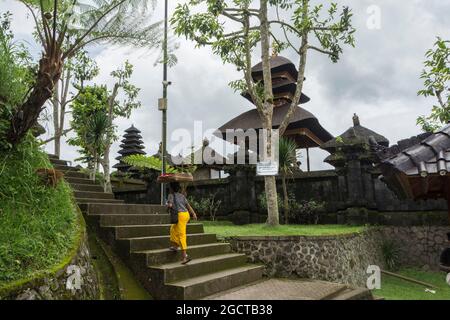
x: 353, y: 159
x: 131, y: 144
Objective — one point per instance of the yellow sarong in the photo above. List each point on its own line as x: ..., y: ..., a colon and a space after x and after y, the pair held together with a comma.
x: 178, y: 231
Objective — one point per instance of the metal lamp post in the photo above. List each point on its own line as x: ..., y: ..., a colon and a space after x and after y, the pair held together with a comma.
x: 162, y: 105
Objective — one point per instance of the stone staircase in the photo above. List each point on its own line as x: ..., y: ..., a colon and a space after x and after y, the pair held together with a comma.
x: 139, y: 233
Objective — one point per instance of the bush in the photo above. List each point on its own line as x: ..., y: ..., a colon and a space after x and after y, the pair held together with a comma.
x: 206, y: 207
x: 306, y: 212
x: 391, y: 255
x: 38, y: 224
x: 300, y: 212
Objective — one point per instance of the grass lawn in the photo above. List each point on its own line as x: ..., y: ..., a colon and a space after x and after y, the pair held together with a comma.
x: 396, y: 289
x: 228, y: 229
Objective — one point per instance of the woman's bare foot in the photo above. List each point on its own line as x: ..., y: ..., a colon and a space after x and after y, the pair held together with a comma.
x: 186, y: 260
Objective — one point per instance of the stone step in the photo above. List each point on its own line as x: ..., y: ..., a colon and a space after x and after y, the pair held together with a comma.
x: 161, y: 256
x: 75, y: 174
x: 354, y: 294
x: 59, y: 162
x: 212, y: 283
x: 75, y: 180
x: 160, y: 242
x: 65, y: 168
x: 52, y: 156
x: 110, y: 220
x: 127, y: 209
x: 83, y: 202
x: 151, y: 230
x: 86, y: 187
x: 176, y: 271
x: 93, y: 195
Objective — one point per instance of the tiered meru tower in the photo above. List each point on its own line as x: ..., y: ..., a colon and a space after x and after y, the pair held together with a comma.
x: 131, y: 144
x: 303, y: 128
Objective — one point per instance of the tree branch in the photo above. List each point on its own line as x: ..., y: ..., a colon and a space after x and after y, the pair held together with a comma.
x: 38, y: 29
x: 287, y: 25
x: 322, y: 51
x: 56, y: 136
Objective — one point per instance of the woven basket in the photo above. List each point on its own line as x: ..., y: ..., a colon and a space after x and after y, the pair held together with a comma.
x: 175, y: 177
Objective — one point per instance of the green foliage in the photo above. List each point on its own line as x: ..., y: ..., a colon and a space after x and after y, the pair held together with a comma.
x: 95, y: 109
x: 89, y: 121
x: 147, y: 162
x: 202, y: 22
x: 306, y: 212
x: 391, y: 254
x: 115, y: 22
x: 15, y: 75
x: 287, y: 155
x: 38, y: 224
x: 300, y: 212
x: 436, y: 76
x: 206, y: 207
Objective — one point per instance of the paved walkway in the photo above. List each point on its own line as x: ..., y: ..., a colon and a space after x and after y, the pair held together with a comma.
x: 286, y: 289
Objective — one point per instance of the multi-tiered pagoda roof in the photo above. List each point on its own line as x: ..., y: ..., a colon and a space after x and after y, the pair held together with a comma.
x: 131, y: 144
x: 303, y: 128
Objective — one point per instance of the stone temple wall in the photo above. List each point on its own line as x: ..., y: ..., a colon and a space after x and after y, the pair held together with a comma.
x: 78, y: 272
x: 419, y: 246
x: 343, y: 258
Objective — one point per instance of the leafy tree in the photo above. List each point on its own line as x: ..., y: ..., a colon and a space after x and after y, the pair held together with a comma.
x: 64, y: 27
x: 436, y: 75
x: 89, y: 121
x: 288, y: 163
x: 100, y: 99
x: 75, y: 73
x: 233, y: 29
x: 16, y: 75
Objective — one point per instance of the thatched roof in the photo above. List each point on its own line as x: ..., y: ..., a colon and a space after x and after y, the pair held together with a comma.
x: 357, y: 134
x: 300, y: 119
x: 277, y: 64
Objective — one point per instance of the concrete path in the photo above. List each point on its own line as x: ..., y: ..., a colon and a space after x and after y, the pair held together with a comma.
x: 287, y: 289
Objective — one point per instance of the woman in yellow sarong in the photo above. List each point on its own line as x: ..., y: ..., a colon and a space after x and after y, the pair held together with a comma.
x: 178, y: 230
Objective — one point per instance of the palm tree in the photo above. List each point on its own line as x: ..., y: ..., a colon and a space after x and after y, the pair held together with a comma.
x: 287, y: 163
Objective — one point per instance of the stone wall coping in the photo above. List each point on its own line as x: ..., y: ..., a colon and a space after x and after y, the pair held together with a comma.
x: 295, y: 238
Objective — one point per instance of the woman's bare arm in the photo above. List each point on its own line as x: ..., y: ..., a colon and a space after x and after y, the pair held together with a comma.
x: 191, y: 211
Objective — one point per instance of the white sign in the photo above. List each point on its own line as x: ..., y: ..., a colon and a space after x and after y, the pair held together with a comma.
x: 267, y: 168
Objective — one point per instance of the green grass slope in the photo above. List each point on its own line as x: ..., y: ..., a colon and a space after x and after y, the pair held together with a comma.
x: 38, y: 224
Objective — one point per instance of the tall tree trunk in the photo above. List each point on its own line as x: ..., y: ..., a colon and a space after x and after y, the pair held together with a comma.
x: 28, y: 113
x: 285, y: 200
x: 106, y: 170
x: 55, y: 104
x: 273, y: 218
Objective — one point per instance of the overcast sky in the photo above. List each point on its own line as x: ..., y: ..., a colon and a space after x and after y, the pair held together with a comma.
x: 378, y: 79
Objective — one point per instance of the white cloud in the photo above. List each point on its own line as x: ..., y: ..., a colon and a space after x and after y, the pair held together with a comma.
x: 378, y: 79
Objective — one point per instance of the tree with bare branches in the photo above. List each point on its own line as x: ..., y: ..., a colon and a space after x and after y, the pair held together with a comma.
x: 233, y: 29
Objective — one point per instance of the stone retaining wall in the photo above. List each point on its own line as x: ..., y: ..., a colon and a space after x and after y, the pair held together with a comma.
x: 77, y: 271
x: 343, y: 258
x: 419, y: 246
